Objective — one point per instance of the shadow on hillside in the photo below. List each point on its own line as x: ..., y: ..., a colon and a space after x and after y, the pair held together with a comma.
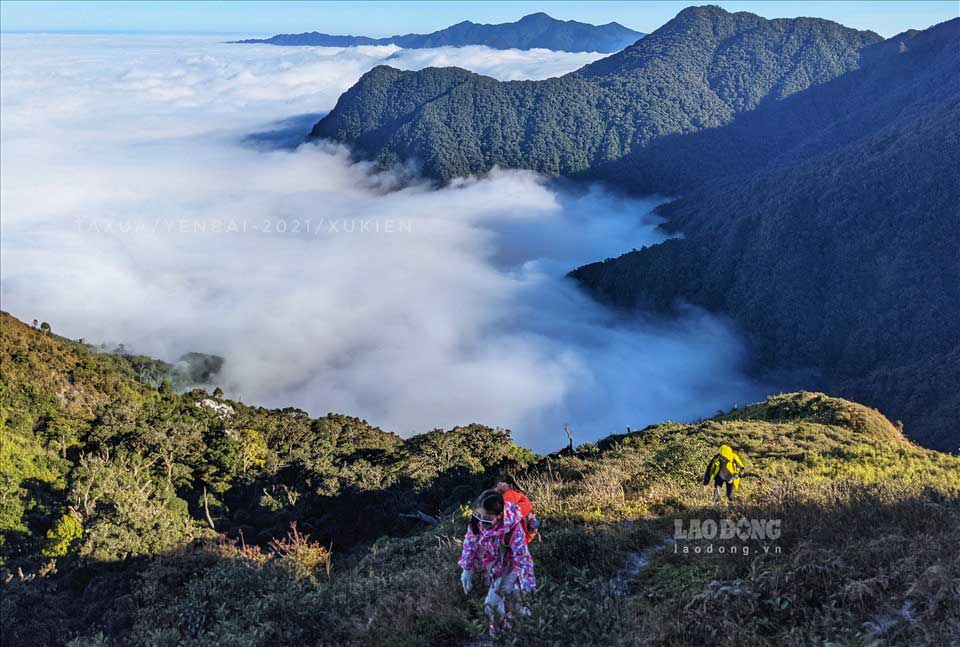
x: 41, y: 500
x: 264, y: 509
x: 84, y: 598
x: 184, y: 593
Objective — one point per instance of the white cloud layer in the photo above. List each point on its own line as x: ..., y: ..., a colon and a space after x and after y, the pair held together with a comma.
x: 136, y: 210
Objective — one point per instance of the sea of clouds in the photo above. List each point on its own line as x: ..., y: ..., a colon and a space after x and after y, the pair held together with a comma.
x: 153, y: 193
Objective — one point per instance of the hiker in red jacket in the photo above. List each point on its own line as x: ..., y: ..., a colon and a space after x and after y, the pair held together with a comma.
x: 496, y: 545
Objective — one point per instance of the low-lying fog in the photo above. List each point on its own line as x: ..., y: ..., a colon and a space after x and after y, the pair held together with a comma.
x: 152, y: 194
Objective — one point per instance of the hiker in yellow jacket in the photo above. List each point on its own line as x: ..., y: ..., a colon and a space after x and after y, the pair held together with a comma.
x: 724, y: 469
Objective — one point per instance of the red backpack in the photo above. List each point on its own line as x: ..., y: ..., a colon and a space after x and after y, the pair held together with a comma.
x: 528, y: 520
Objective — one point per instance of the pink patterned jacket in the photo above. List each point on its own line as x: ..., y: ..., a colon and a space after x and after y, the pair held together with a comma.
x: 485, y: 552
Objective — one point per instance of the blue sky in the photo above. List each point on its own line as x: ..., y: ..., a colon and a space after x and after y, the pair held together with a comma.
x: 387, y: 18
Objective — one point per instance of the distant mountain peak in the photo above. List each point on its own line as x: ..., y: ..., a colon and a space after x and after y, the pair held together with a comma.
x: 711, y: 14
x: 703, y: 10
x: 538, y: 16
x: 534, y: 31
x: 706, y: 11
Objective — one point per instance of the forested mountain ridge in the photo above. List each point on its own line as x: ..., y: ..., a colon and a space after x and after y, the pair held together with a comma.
x: 828, y: 226
x: 534, y: 31
x: 912, y: 67
x: 839, y: 286
x: 134, y: 516
x: 695, y: 72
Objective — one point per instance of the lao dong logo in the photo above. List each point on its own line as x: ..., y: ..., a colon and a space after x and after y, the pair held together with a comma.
x: 726, y: 536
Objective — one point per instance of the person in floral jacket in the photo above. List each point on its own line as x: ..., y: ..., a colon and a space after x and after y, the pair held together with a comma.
x: 495, y: 545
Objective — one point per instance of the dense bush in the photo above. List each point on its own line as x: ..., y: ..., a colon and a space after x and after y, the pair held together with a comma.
x: 99, y: 466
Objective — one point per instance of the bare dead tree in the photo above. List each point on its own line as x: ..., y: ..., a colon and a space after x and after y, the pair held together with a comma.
x: 566, y: 430
x: 206, y: 509
x: 422, y: 516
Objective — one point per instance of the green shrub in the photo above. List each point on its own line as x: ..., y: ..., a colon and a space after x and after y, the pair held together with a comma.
x: 64, y: 533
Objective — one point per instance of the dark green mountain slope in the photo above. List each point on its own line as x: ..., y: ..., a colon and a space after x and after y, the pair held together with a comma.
x: 819, y: 174
x: 829, y: 226
x: 537, y: 30
x: 892, y: 75
x: 695, y: 72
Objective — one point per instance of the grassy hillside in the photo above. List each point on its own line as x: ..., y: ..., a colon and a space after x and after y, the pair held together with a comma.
x: 108, y: 542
